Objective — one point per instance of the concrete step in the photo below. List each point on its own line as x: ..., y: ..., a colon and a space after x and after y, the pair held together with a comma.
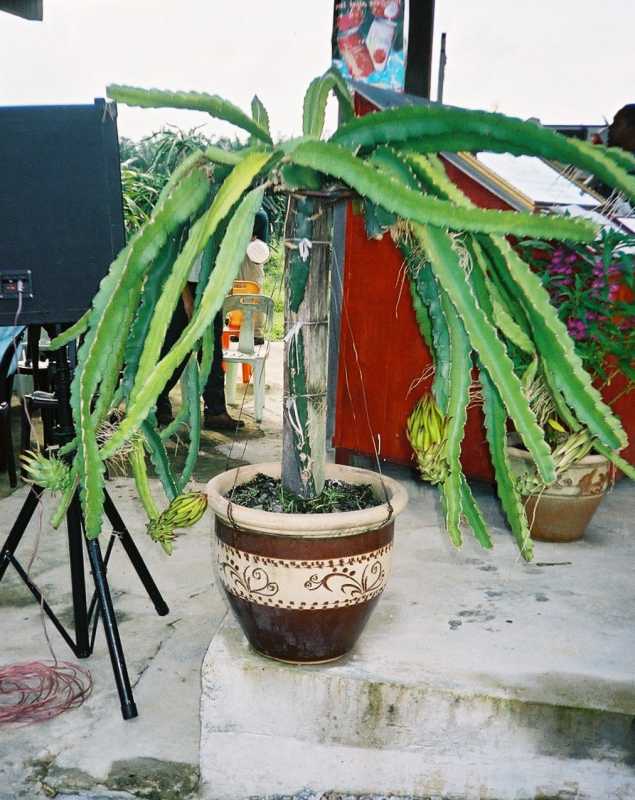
x: 479, y: 676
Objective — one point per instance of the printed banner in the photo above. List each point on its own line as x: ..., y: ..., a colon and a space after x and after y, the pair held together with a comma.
x: 368, y: 41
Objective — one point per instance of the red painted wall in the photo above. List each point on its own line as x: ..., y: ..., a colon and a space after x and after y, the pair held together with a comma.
x: 382, y: 355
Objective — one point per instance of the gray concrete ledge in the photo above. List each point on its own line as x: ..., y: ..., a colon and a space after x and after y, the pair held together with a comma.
x: 479, y: 676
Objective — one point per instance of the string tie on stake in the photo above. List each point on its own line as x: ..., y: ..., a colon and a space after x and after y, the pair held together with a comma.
x: 304, y: 245
x: 304, y: 248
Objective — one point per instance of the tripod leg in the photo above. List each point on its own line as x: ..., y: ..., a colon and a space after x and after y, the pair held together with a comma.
x: 128, y: 707
x: 135, y: 557
x: 78, y: 582
x: 19, y: 526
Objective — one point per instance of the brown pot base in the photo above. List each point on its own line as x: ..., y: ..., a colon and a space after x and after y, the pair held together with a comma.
x: 301, y: 636
x: 559, y: 519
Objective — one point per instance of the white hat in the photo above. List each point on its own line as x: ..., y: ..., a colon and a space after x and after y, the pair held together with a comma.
x: 258, y: 251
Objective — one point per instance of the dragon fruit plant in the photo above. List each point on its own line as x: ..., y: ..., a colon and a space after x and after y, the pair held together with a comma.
x: 472, y: 293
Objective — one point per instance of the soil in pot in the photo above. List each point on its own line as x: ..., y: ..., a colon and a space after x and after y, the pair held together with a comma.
x: 266, y: 493
x: 303, y: 586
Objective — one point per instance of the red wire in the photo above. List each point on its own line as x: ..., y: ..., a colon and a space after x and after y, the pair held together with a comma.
x: 36, y: 691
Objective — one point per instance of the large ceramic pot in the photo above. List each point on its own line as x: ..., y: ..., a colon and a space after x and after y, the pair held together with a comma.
x: 563, y: 510
x: 303, y: 585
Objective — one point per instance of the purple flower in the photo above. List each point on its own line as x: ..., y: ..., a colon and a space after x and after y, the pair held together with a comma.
x: 577, y: 329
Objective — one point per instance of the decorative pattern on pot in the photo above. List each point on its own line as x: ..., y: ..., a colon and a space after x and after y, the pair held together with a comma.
x: 303, y: 585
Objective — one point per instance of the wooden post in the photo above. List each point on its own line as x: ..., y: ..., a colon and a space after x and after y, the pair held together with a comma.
x: 308, y: 233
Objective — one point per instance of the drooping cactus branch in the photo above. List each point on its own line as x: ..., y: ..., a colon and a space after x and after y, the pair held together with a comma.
x: 475, y: 298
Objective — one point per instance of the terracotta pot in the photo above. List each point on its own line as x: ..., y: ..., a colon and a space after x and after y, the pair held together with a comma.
x: 562, y: 512
x: 303, y: 585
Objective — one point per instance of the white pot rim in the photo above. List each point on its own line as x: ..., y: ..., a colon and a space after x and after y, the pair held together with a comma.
x: 331, y: 525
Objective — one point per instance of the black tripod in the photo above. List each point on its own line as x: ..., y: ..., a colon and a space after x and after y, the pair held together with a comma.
x: 59, y: 431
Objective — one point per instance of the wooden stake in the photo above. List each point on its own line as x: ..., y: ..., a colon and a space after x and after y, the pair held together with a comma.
x: 308, y: 234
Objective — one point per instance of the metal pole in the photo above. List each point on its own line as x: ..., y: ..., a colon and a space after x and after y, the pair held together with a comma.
x: 107, y: 612
x: 78, y: 582
x: 443, y: 60
x: 420, y: 40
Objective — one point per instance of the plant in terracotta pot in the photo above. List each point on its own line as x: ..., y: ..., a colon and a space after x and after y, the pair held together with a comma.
x: 519, y: 317
x: 303, y: 585
x: 561, y: 510
x: 591, y: 286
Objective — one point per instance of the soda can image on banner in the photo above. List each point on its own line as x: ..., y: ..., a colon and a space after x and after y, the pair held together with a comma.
x: 368, y: 41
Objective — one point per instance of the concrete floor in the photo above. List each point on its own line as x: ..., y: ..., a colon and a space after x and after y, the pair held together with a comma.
x: 549, y: 643
x: 478, y: 677
x: 91, y: 750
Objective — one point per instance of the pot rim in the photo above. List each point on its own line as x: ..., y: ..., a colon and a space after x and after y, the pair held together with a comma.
x: 587, y: 461
x: 339, y: 523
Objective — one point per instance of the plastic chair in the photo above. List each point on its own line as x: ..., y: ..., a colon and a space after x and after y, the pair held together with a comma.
x: 247, y: 352
x: 234, y: 318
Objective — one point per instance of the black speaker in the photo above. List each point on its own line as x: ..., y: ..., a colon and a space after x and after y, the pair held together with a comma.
x: 61, y: 212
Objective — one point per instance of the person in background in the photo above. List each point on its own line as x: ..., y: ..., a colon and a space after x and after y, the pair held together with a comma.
x: 252, y: 268
x: 622, y: 129
x: 216, y: 416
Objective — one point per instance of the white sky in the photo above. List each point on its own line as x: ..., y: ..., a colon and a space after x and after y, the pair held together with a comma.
x: 558, y: 60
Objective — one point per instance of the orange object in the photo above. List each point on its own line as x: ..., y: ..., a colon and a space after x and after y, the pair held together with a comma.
x: 234, y: 318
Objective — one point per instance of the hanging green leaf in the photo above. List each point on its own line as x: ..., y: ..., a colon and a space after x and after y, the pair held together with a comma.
x: 556, y: 346
x: 213, y: 105
x: 410, y: 204
x: 496, y: 428
x: 485, y: 341
x: 458, y: 397
x: 316, y: 98
x: 456, y: 129
x: 228, y: 262
x: 260, y: 115
x: 230, y: 192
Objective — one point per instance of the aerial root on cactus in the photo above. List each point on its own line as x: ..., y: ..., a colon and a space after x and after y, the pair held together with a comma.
x: 426, y: 375
x: 118, y: 461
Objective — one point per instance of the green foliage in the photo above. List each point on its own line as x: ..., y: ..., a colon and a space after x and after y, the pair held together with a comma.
x: 273, y: 287
x: 229, y: 259
x: 475, y: 299
x: 556, y: 346
x: 197, y: 101
x: 139, y: 190
x: 148, y: 164
x: 485, y: 341
x: 410, y: 204
x: 438, y: 128
x: 458, y: 397
x: 260, y: 115
x: 591, y: 287
x: 494, y: 300
x: 316, y: 98
x: 496, y: 428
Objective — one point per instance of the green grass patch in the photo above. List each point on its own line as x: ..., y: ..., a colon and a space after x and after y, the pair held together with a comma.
x: 274, y: 288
